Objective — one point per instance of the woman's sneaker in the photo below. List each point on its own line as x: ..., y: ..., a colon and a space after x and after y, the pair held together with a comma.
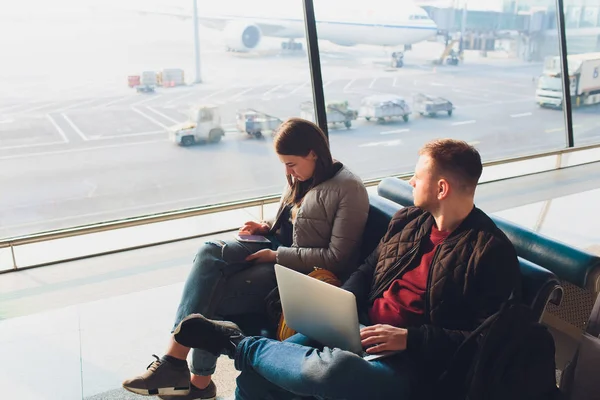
x: 208, y: 393
x: 161, y: 377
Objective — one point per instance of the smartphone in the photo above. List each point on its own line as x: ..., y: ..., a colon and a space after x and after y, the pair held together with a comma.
x: 252, y: 239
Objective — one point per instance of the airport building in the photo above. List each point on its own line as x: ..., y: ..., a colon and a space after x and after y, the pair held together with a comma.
x: 527, y: 28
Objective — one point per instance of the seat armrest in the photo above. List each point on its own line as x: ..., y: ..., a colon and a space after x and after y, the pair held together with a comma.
x: 539, y: 286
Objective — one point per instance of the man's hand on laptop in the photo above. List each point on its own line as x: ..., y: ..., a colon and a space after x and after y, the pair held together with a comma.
x: 378, y: 338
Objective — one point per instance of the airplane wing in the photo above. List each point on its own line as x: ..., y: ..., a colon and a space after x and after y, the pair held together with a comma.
x: 220, y: 22
x: 267, y: 28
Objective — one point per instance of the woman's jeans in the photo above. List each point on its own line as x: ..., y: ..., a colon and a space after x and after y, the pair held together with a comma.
x: 222, y: 284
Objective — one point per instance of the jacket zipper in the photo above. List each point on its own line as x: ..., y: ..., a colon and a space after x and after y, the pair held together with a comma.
x: 411, y: 254
x: 427, y: 287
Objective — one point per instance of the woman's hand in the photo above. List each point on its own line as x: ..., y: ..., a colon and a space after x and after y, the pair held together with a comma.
x: 263, y: 256
x: 378, y: 338
x: 254, y: 228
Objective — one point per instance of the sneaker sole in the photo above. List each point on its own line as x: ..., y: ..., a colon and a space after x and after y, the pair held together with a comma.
x: 187, y: 340
x: 172, y: 391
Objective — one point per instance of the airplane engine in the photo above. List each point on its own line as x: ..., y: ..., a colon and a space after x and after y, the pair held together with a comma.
x: 241, y: 36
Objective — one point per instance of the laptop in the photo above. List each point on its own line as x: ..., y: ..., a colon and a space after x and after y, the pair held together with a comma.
x: 321, y: 311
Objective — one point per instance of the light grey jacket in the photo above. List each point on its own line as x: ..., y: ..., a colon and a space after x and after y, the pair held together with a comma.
x: 329, y: 226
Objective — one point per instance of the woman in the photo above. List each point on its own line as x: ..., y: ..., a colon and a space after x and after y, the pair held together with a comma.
x: 320, y: 222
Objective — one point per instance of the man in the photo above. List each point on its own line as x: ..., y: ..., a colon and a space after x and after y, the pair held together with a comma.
x: 442, y: 267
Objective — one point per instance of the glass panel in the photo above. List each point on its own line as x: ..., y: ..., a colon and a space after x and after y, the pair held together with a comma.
x: 583, y: 49
x: 100, y: 119
x: 407, y: 77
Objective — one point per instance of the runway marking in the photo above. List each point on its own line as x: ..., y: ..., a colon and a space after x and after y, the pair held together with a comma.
x: 394, y: 81
x: 481, y: 92
x: 68, y: 151
x: 164, y: 115
x: 239, y: 94
x: 327, y: 84
x: 561, y: 129
x: 348, y: 85
x: 4, y: 109
x: 479, y: 99
x: 493, y: 103
x: 112, y: 102
x: 36, y: 107
x: 271, y: 90
x: 93, y: 187
x: 7, y: 121
x: 386, y: 143
x: 527, y: 114
x: 75, y: 127
x: 75, y: 105
x: 372, y: 83
x: 299, y: 87
x: 183, y: 96
x: 26, y: 146
x: 151, y: 98
x: 395, y: 131
x: 209, y: 96
x: 58, y: 128
x: 125, y: 135
x: 463, y: 122
x: 508, y: 83
x: 437, y: 84
x: 149, y: 118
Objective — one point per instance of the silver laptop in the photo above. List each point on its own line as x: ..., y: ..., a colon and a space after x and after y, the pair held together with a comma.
x: 321, y: 311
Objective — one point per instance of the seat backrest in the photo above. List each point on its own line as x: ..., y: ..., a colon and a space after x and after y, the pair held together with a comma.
x: 381, y: 211
x: 567, y: 262
x: 396, y: 190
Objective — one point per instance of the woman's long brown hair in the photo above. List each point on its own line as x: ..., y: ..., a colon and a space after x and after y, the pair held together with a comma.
x: 297, y: 137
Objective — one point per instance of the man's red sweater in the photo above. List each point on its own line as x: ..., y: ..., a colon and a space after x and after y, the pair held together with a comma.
x: 403, y: 304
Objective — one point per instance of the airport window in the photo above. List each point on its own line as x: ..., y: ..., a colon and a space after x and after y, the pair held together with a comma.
x: 396, y: 82
x: 100, y: 118
x: 583, y: 56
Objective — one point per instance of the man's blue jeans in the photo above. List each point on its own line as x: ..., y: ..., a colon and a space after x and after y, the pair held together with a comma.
x: 286, y: 370
x: 222, y: 284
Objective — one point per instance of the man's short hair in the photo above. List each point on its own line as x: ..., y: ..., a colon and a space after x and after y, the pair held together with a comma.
x: 456, y: 160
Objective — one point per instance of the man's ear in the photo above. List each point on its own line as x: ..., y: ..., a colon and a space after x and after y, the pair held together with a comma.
x: 443, y: 189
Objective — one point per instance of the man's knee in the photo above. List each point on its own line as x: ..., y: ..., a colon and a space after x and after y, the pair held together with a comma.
x: 329, y: 367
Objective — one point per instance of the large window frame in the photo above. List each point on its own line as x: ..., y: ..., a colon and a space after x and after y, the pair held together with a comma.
x: 321, y: 120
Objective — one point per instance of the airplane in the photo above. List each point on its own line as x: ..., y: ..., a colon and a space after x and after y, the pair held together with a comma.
x: 397, y: 24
